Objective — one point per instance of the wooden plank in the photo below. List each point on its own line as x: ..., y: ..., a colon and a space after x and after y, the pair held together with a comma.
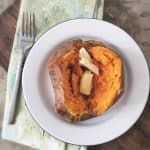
x: 131, y: 15
x: 4, y: 4
x: 8, y: 22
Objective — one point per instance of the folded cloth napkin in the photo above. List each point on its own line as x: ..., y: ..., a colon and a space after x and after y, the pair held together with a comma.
x: 48, y: 13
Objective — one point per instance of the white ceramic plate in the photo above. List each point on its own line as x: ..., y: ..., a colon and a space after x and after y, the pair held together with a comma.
x: 39, y: 94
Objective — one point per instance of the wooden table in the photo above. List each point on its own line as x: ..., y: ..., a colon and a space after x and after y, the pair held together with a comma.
x: 131, y: 15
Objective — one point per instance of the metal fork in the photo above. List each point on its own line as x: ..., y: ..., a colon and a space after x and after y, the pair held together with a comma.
x: 27, y: 36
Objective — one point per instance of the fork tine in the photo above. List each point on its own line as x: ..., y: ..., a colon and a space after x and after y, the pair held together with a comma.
x: 23, y: 25
x: 27, y: 26
x: 34, y: 26
x: 30, y: 25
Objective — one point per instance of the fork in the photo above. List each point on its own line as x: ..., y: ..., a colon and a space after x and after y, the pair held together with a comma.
x: 27, y: 36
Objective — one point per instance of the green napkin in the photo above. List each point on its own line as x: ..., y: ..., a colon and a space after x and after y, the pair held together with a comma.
x: 48, y: 13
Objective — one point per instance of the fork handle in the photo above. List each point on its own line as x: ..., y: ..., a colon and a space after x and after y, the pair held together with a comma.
x: 14, y: 100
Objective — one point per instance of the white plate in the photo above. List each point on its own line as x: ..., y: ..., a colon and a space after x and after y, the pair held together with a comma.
x: 39, y: 94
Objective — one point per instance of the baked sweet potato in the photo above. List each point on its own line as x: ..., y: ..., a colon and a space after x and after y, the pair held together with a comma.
x: 66, y: 72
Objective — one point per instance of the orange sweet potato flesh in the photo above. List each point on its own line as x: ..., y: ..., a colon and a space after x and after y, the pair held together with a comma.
x: 66, y: 72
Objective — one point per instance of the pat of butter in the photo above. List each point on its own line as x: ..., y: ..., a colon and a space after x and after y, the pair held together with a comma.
x: 86, y: 83
x: 84, y: 62
x: 84, y: 54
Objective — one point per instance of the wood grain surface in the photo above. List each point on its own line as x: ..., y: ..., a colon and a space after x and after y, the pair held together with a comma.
x: 131, y: 15
x: 4, y: 4
x: 8, y: 22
